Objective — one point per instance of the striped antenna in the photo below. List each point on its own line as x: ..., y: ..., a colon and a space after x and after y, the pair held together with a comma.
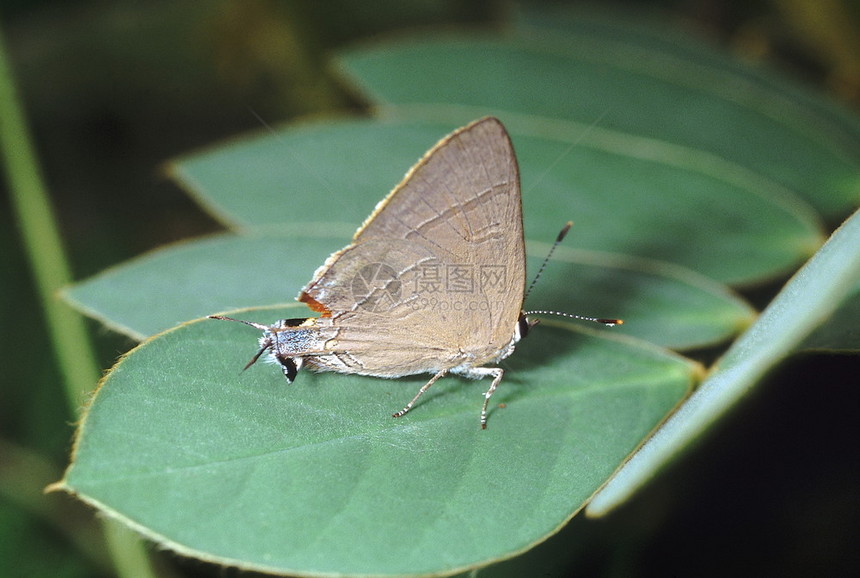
x: 561, y: 235
x: 603, y: 320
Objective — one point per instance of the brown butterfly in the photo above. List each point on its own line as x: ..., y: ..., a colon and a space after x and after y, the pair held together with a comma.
x: 433, y: 281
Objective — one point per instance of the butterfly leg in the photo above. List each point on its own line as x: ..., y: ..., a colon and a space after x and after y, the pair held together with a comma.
x: 479, y: 372
x: 289, y: 366
x: 421, y: 391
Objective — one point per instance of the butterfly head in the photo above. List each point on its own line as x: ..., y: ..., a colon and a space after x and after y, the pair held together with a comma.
x: 524, y: 325
x: 285, y: 340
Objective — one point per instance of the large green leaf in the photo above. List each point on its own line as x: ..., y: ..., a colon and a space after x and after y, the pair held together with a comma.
x: 575, y: 81
x: 665, y: 305
x: 317, y: 478
x: 829, y: 280
x: 650, y: 202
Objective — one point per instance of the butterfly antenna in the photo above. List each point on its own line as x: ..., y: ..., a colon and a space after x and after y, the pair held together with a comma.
x: 265, y: 345
x: 561, y: 235
x: 259, y: 326
x: 603, y: 320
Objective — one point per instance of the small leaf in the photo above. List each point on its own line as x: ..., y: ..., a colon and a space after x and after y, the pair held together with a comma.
x: 665, y: 305
x: 317, y: 478
x: 163, y: 288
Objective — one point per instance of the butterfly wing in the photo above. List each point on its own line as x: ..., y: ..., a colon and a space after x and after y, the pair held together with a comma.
x: 436, y: 274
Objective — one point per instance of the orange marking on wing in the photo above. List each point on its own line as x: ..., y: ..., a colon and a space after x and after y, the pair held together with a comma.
x: 315, y: 305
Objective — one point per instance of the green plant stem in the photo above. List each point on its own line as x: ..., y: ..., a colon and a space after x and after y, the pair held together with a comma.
x: 41, y: 240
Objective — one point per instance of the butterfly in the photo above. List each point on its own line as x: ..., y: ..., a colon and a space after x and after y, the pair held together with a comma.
x: 432, y: 282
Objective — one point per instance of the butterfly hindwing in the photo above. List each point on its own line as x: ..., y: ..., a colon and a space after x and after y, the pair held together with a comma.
x: 440, y: 264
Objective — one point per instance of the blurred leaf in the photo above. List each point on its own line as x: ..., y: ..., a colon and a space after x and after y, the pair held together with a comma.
x: 809, y: 300
x: 640, y: 31
x: 32, y: 551
x: 648, y: 203
x: 318, y: 478
x: 26, y: 513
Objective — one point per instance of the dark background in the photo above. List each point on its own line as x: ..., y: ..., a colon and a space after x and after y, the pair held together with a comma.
x: 114, y: 89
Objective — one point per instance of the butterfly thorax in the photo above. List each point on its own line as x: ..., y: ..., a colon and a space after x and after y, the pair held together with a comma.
x: 296, y: 337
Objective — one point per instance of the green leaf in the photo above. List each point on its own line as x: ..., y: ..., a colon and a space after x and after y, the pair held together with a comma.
x: 650, y: 202
x: 317, y: 478
x: 664, y: 305
x: 840, y: 333
x: 163, y: 288
x: 809, y: 300
x: 593, y: 87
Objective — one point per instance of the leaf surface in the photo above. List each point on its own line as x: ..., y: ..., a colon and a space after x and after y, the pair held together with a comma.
x: 317, y: 477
